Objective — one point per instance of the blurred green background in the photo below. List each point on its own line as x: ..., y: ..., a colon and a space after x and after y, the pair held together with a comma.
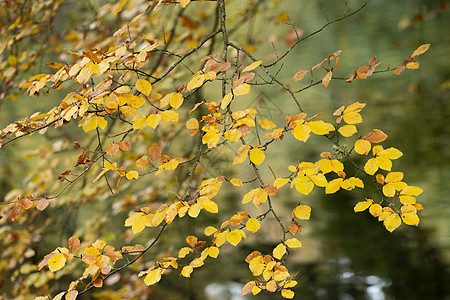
x: 344, y: 255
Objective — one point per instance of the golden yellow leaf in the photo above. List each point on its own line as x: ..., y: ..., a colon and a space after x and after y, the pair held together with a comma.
x: 303, y: 212
x: 187, y: 270
x: 213, y: 251
x: 348, y: 130
x: 210, y: 206
x: 128, y: 111
x: 142, y: 162
x: 422, y: 49
x: 153, y: 120
x: 196, y: 81
x: 362, y: 206
x: 293, y: 243
x: 301, y: 132
x: 56, y: 262
x: 279, y: 251
x: 241, y: 155
x: 362, y: 147
x: 243, y: 89
x: 411, y: 191
x: 256, y: 290
x: 132, y: 175
x: 184, y: 251
x: 371, y: 166
x: 303, y: 184
x: 153, y: 276
x: 252, y: 66
x: 120, y: 7
x: 257, y: 156
x: 279, y: 182
x: 375, y: 209
x: 412, y: 65
x: 333, y: 186
x: 236, y: 182
x: 90, y: 123
x: 352, y: 118
x: 234, y: 237
x: 394, y: 177
x: 390, y: 153
x: 192, y: 124
x: 319, y: 127
x: 233, y: 135
x: 288, y: 294
x: 410, y: 219
x: 267, y: 124
x: 139, y: 122
x: 226, y: 100
x: 252, y: 225
x: 176, y: 100
x: 144, y: 86
x: 392, y: 222
x: 169, y: 115
x: 194, y: 210
x: 383, y: 163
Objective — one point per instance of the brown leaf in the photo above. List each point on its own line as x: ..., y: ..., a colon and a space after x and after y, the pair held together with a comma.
x: 299, y: 75
x: 399, y: 70
x: 376, y: 136
x: 154, y: 152
x: 25, y: 203
x: 83, y: 159
x: 361, y: 73
x: 14, y: 212
x: 124, y: 146
x: 74, y: 243
x: 271, y: 190
x: 112, y: 149
x: 93, y: 57
x: 42, y: 204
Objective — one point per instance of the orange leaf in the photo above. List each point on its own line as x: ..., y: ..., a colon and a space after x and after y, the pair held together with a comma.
x: 155, y: 152
x: 42, y: 204
x: 422, y: 49
x: 376, y: 136
x: 299, y: 75
x: 326, y: 79
x: 74, y: 243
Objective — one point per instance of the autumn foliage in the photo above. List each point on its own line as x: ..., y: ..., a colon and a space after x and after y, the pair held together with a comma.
x: 146, y: 108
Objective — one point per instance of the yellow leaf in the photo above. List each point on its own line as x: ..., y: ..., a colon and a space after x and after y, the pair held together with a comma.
x: 362, y: 206
x: 375, y: 210
x: 192, y: 124
x: 288, y: 294
x: 234, y: 237
x: 371, y: 166
x: 243, y: 89
x: 279, y: 182
x: 412, y: 65
x: 241, y: 155
x: 279, y: 251
x: 383, y: 163
x: 56, y: 262
x: 303, y: 184
x: 90, y: 123
x: 233, y: 135
x: 348, y: 130
x: 252, y: 225
x: 196, y: 81
x: 194, y: 210
x: 266, y: 124
x: 303, y: 212
x: 352, y: 118
x: 187, y: 270
x: 392, y: 222
x: 362, y: 146
x: 407, y: 200
x: 256, y: 290
x: 422, y: 49
x: 293, y: 243
x: 410, y: 219
x: 153, y: 276
x: 252, y: 66
x: 139, y: 122
x: 120, y: 7
x: 333, y: 186
x: 144, y: 86
x: 184, y: 3
x: 165, y: 100
x: 169, y: 115
x: 236, y: 182
x: 226, y: 100
x: 319, y: 127
x: 210, y: 230
x: 184, y: 251
x: 257, y: 156
x: 213, y: 251
x: 394, y: 177
x: 411, y: 191
x: 134, y: 101
x: 210, y: 206
x: 132, y: 175
x: 101, y: 122
x: 326, y: 80
x: 128, y: 111
x: 301, y: 132
x: 176, y: 100
x: 390, y: 153
x: 171, y: 165
x: 153, y: 120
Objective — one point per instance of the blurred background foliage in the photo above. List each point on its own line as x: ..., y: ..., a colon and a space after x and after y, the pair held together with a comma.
x: 344, y: 255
